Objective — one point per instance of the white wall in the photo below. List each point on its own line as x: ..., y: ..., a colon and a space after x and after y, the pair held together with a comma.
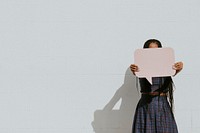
x: 64, y: 63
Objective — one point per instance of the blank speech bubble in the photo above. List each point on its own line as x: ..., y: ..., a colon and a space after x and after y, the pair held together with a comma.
x: 154, y: 62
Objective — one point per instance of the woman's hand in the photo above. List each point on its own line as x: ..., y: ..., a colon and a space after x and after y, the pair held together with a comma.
x: 134, y: 68
x: 178, y: 66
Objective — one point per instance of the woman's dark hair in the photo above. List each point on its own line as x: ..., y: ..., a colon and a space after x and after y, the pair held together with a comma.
x: 148, y: 42
x: 168, y: 83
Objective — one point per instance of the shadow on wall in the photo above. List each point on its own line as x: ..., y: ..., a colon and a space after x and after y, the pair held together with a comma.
x: 109, y: 120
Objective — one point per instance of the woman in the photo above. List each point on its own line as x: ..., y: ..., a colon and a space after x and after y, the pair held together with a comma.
x: 154, y: 112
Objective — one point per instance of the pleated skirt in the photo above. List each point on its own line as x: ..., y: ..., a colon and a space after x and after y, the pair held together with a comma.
x: 153, y: 115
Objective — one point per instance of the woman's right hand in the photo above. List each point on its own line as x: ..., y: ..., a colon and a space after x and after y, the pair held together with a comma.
x: 134, y: 68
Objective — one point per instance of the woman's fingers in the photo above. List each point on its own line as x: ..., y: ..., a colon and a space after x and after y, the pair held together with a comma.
x: 178, y: 66
x: 134, y: 68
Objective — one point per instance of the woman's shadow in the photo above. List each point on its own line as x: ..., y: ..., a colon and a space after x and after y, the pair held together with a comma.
x: 120, y: 120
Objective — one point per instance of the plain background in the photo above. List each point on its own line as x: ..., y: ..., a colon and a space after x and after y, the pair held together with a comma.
x: 64, y: 63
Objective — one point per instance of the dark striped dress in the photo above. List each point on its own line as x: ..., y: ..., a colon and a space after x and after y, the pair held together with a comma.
x: 153, y: 113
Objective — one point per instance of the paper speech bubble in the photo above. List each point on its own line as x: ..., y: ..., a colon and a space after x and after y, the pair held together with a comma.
x: 154, y: 62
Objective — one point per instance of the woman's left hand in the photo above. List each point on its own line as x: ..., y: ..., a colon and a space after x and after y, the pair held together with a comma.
x: 178, y: 66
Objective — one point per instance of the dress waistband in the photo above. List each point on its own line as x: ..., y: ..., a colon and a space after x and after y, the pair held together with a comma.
x: 155, y: 93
